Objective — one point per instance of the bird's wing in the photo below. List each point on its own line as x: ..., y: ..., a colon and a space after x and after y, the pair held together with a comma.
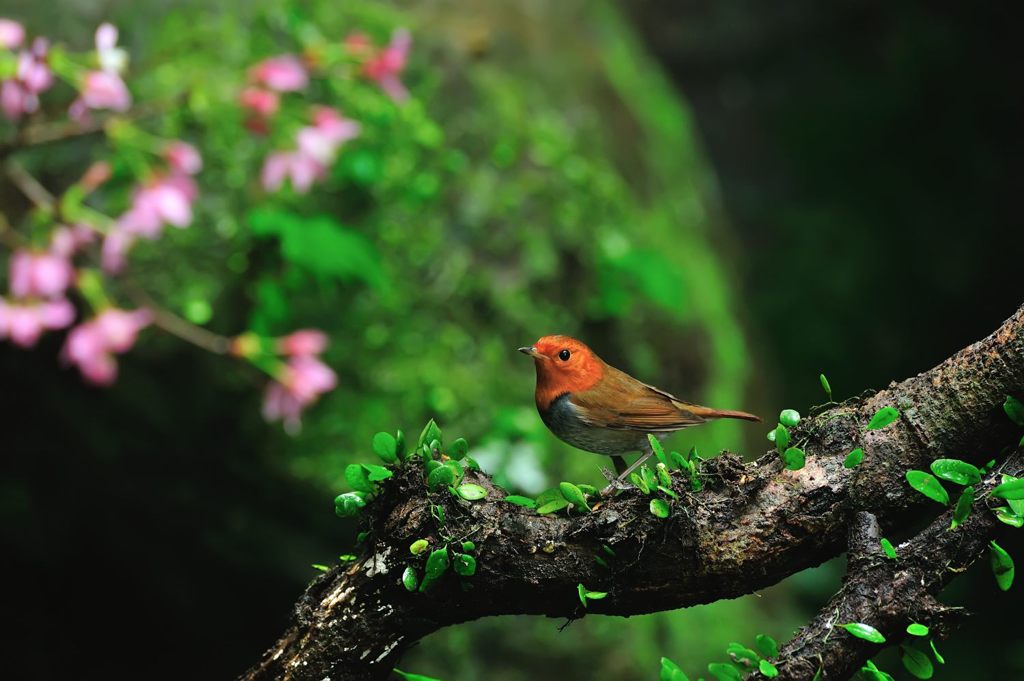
x: 621, y: 402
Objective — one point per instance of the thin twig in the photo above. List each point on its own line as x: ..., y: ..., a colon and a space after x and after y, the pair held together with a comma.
x: 30, y: 186
x: 185, y: 330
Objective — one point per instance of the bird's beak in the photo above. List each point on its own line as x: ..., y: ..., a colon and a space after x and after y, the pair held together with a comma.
x: 532, y: 352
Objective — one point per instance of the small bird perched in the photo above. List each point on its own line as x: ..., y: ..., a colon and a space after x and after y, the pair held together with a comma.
x: 597, y: 408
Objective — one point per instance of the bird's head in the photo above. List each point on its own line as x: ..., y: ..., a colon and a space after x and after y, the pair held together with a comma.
x: 563, y: 364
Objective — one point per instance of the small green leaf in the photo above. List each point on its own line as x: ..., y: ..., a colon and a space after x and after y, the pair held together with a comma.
x: 659, y: 451
x: 639, y: 483
x: 458, y: 449
x: 767, y: 645
x: 348, y: 504
x: 883, y: 417
x: 738, y: 651
x: 781, y: 438
x: 864, y: 631
x: 347, y: 557
x: 825, y: 386
x: 854, y: 458
x: 917, y: 629
x: 521, y: 501
x: 468, y: 546
x: 437, y: 565
x: 935, y: 652
x: 400, y: 445
x: 418, y: 547
x: 659, y: 508
x: 573, y: 495
x: 724, y: 672
x: 429, y: 433
x: 793, y: 459
x: 670, y: 671
x: 648, y: 475
x: 472, y: 492
x: 552, y: 506
x: 663, y: 475
x: 318, y: 566
x: 442, y: 476
x: 596, y: 595
x: 376, y: 473
x: 916, y: 662
x: 1006, y: 515
x: 413, y: 677
x: 955, y: 470
x: 666, y: 490
x: 385, y: 447
x: 1014, y: 409
x: 586, y: 594
x: 789, y: 417
x: 588, y: 490
x: 1014, y: 489
x: 873, y: 673
x: 464, y: 566
x: 768, y: 669
x: 963, y: 507
x: 410, y: 579
x: 926, y: 484
x: 1002, y: 566
x: 582, y: 592
x: 888, y: 549
x: 679, y: 461
x: 472, y: 464
x: 771, y: 435
x: 609, y: 550
x: 355, y: 476
x: 1016, y: 505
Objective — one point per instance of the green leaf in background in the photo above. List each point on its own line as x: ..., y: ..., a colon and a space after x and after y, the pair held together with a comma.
x: 854, y: 458
x: 418, y: 547
x: 670, y: 671
x: 573, y: 495
x: 724, y: 672
x: 739, y: 651
x: 521, y: 501
x: 659, y: 508
x: 320, y: 567
x: 781, y: 438
x: 357, y: 478
x: 429, y: 433
x: 767, y: 645
x: 1016, y: 505
x: 375, y: 473
x: 825, y: 386
x: 385, y: 446
x: 916, y: 662
x: 768, y: 669
x: 935, y: 651
x: 888, y: 549
x: 437, y: 565
x: 789, y: 417
x: 926, y: 484
x: 864, y: 631
x: 348, y: 504
x: 873, y: 673
x: 464, y: 566
x: 410, y: 579
x: 321, y: 245
x: 883, y: 417
x: 552, y: 506
x: 917, y: 629
x: 1002, y: 566
x: 1013, y: 489
x: 667, y: 491
x: 1005, y: 514
x: 955, y: 470
x: 413, y: 677
x: 458, y: 449
x: 442, y: 476
x: 649, y: 477
x: 793, y: 458
x: 659, y: 451
x: 400, y: 445
x: 472, y: 492
x: 963, y: 507
x: 1014, y: 409
x: 639, y: 483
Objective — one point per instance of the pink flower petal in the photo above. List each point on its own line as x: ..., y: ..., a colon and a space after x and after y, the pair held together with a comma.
x: 284, y: 74
x: 12, y: 34
x: 183, y: 158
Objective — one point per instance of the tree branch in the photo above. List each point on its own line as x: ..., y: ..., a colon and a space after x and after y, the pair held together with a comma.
x: 752, y: 525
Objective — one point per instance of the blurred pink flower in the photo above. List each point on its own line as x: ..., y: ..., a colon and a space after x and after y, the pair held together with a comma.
x: 261, y: 102
x: 165, y: 200
x: 46, y: 275
x: 20, y: 95
x: 116, y: 245
x: 303, y: 342
x: 183, y: 157
x: 100, y: 90
x: 67, y: 240
x: 91, y: 345
x: 300, y: 168
x: 300, y: 384
x: 12, y: 34
x: 388, y: 64
x: 112, y: 59
x: 329, y: 131
x: 23, y: 323
x: 284, y: 73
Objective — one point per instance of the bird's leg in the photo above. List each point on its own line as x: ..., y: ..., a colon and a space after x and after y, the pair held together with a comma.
x: 618, y: 483
x: 619, y: 463
x: 636, y: 464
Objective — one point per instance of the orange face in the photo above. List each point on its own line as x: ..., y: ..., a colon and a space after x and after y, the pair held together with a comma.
x: 564, y: 365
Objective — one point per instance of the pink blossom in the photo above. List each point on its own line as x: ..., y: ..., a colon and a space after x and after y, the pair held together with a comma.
x: 12, y: 34
x: 116, y: 245
x: 358, y: 43
x: 386, y: 66
x: 300, y: 168
x: 261, y: 102
x: 20, y: 95
x: 303, y: 343
x: 284, y: 73
x: 329, y: 131
x: 24, y: 323
x: 166, y: 200
x: 100, y: 90
x: 183, y: 158
x: 92, y: 345
x: 46, y: 275
x: 66, y: 241
x: 15, y: 100
x: 300, y: 384
x: 112, y: 59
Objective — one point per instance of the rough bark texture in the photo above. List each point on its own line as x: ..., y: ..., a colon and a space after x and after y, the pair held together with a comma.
x: 753, y: 525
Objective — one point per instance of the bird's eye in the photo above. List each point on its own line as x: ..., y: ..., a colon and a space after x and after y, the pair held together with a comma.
x: 564, y: 355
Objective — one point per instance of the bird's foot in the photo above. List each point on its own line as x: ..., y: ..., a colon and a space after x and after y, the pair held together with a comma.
x: 614, y: 484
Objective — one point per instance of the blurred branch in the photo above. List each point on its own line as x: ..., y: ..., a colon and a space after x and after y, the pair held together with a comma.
x: 30, y: 186
x: 751, y: 526
x: 176, y: 326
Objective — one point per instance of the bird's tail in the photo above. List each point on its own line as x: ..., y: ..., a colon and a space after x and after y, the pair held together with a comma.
x: 708, y: 413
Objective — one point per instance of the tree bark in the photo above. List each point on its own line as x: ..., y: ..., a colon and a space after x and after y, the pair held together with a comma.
x: 751, y: 526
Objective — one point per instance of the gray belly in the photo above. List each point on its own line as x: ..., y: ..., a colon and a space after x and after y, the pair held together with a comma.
x: 562, y: 420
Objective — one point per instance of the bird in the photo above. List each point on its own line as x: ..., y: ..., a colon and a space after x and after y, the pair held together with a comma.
x: 595, y: 407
